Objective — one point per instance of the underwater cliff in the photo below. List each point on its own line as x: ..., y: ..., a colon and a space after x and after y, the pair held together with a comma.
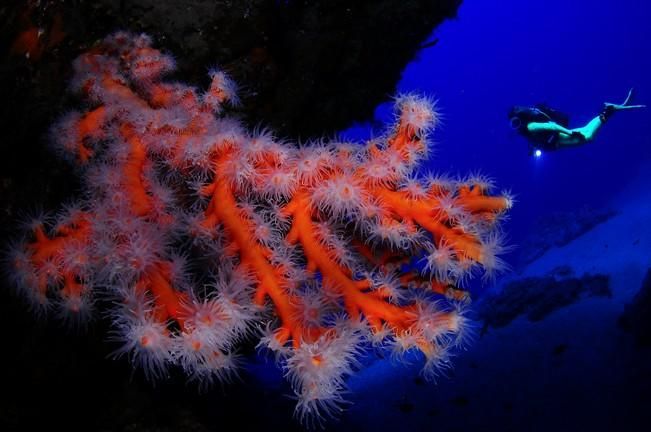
x: 562, y: 345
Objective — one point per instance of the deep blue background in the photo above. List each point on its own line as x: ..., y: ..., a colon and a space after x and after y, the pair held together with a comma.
x: 573, y: 55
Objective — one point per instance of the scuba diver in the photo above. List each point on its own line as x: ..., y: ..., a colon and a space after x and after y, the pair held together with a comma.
x: 547, y: 129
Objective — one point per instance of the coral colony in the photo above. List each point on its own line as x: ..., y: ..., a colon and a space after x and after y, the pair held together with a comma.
x: 205, y: 233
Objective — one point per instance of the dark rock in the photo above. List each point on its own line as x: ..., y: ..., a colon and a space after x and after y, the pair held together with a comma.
x: 559, y: 349
x: 636, y: 318
x: 406, y: 407
x: 433, y: 412
x: 558, y: 229
x: 562, y: 271
x: 304, y: 68
x: 461, y: 401
x: 537, y: 297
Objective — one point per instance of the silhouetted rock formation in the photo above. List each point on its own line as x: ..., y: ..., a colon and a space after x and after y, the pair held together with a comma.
x: 537, y: 297
x: 306, y: 68
x: 558, y: 229
x: 636, y: 318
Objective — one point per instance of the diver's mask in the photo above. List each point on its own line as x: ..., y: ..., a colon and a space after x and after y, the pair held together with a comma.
x: 515, y: 122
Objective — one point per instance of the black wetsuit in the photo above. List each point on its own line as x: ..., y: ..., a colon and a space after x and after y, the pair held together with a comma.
x: 543, y: 140
x: 546, y: 140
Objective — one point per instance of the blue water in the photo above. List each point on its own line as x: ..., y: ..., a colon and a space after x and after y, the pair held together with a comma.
x: 573, y: 55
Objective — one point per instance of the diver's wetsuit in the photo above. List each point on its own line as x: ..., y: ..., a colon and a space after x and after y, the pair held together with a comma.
x: 547, y: 129
x: 552, y: 139
x: 543, y: 140
x: 539, y: 138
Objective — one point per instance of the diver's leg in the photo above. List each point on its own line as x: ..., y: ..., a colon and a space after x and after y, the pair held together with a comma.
x: 582, y: 135
x: 590, y: 130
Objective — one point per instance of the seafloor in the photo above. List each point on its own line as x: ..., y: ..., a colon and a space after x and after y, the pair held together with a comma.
x: 574, y: 355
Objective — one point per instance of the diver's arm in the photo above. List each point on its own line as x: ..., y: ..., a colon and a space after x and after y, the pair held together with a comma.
x: 548, y: 127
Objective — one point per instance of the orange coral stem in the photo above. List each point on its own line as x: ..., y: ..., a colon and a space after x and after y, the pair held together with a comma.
x: 356, y: 300
x: 482, y: 203
x: 423, y: 212
x: 45, y: 247
x: 133, y: 170
x: 168, y: 300
x: 224, y: 208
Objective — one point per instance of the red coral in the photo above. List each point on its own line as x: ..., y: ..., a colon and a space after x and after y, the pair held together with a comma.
x: 320, y: 242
